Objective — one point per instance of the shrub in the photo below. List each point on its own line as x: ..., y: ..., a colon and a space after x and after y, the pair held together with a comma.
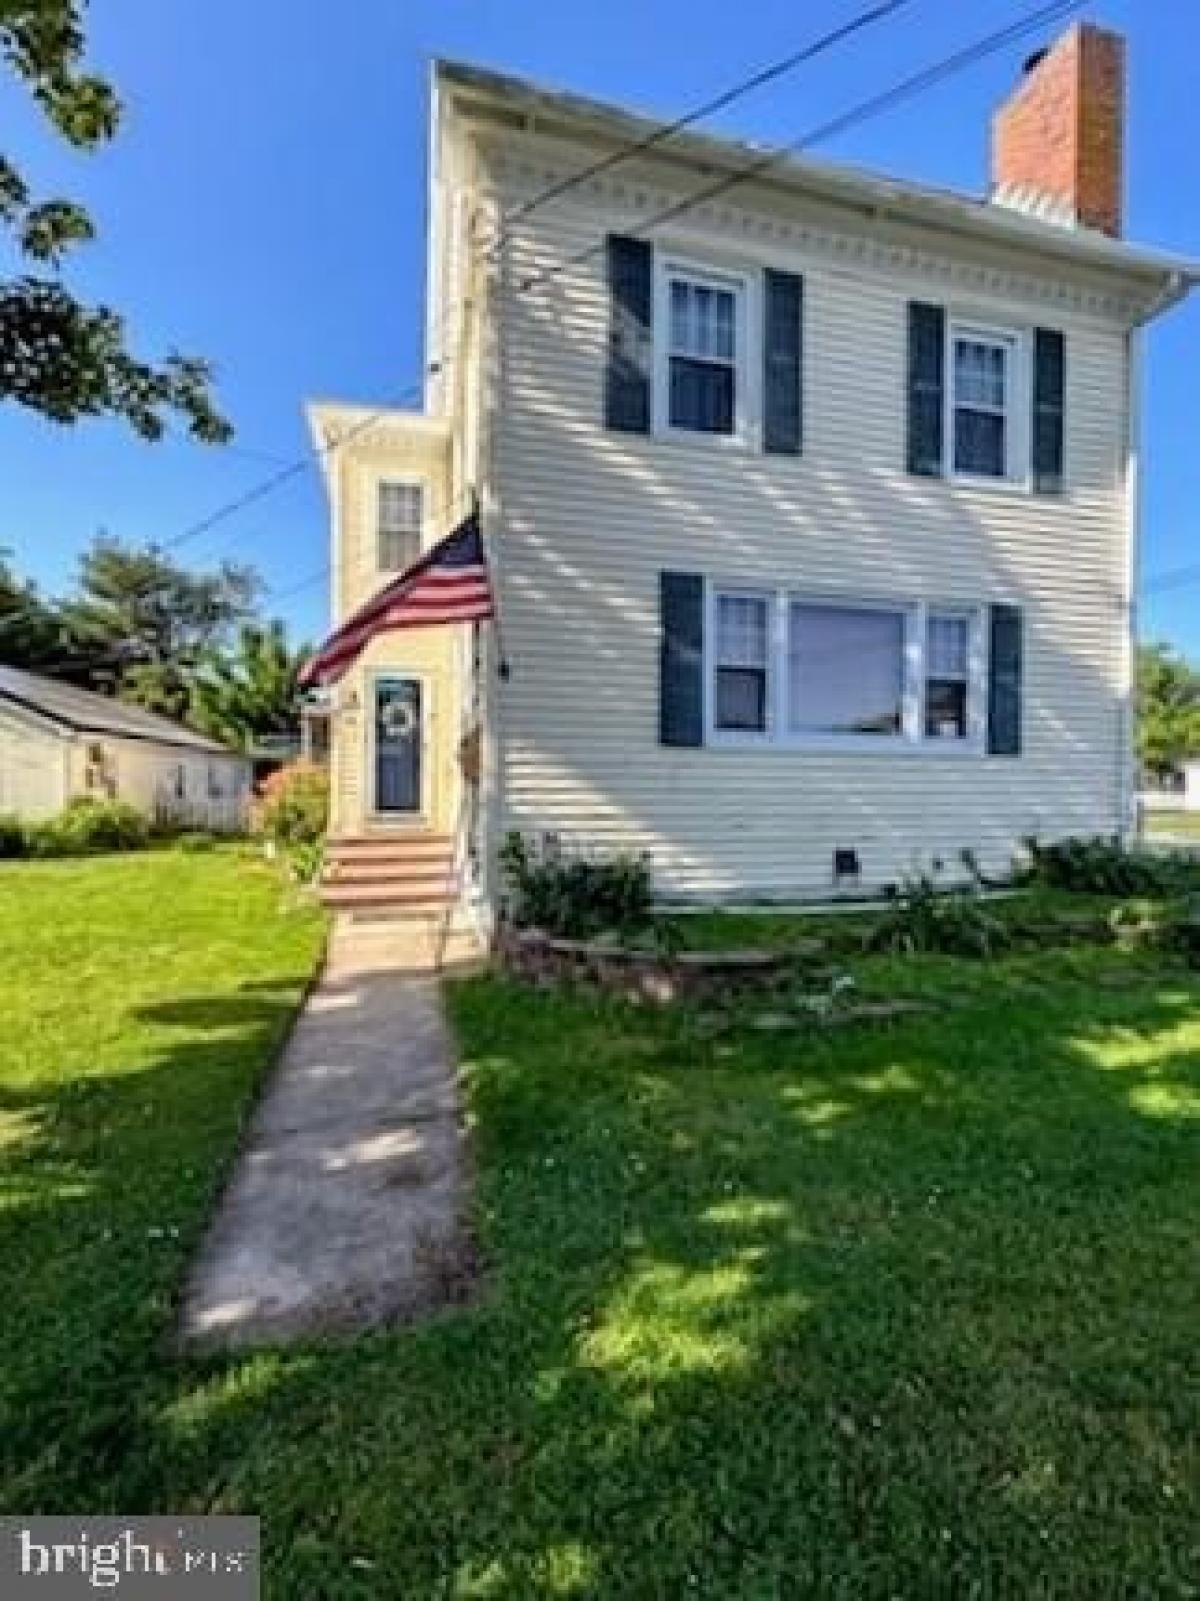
x: 924, y: 919
x: 12, y: 836
x: 293, y: 804
x: 575, y: 896
x: 1104, y: 867
x: 304, y: 861
x: 1160, y: 925
x: 88, y: 826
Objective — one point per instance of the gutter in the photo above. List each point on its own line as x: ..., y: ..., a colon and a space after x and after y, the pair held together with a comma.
x: 554, y: 114
x: 1179, y: 284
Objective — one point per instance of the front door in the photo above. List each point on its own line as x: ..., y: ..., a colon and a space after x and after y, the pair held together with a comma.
x: 399, y: 741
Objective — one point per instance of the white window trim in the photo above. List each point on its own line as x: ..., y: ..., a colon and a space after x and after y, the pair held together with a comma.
x: 912, y: 741
x: 1018, y: 474
x: 746, y: 323
x: 402, y: 481
x: 741, y: 736
x: 974, y: 740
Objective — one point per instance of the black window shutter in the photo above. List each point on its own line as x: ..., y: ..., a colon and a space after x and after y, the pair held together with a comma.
x: 1049, y: 398
x: 681, y: 662
x: 926, y: 388
x: 630, y: 352
x: 783, y: 383
x: 1005, y: 673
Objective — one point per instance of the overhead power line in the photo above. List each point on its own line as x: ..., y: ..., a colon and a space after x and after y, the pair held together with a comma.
x: 907, y: 89
x: 414, y: 391
x: 1172, y: 578
x: 668, y: 130
x: 759, y: 166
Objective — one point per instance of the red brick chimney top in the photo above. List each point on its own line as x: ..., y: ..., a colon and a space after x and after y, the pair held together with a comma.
x: 1058, y: 140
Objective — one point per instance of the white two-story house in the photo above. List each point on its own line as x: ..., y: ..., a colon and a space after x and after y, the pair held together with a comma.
x: 810, y: 500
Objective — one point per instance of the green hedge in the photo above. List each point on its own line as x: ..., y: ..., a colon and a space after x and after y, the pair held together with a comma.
x: 83, y: 829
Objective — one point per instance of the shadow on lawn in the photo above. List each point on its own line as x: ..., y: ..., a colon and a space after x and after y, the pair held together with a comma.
x: 108, y: 1179
x: 898, y: 1313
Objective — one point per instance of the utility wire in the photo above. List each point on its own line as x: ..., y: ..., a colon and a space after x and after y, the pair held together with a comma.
x: 1172, y: 578
x: 760, y: 165
x: 660, y: 135
x: 871, y: 107
x: 668, y: 130
x: 827, y: 41
x: 917, y: 83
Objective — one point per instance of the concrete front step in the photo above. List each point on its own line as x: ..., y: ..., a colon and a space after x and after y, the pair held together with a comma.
x: 402, y: 893
x: 367, y: 847
x: 433, y: 872
x: 393, y: 873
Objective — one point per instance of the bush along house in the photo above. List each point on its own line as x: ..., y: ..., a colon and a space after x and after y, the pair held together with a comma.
x: 807, y: 499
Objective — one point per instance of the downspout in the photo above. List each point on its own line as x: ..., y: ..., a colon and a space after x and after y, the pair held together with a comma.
x: 1127, y: 807
x: 1176, y: 286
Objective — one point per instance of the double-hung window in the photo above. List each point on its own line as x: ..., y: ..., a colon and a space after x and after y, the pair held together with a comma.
x: 742, y: 664
x: 846, y: 670
x: 702, y: 363
x: 947, y: 675
x: 400, y: 514
x: 984, y: 367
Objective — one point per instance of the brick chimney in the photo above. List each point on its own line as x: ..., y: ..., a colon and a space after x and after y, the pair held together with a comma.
x: 1058, y: 140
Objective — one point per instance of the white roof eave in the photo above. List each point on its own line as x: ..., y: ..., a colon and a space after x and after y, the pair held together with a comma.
x: 1167, y: 278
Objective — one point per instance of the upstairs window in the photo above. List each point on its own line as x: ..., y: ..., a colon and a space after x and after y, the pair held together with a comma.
x: 983, y: 380
x: 400, y: 515
x: 947, y: 676
x: 699, y: 388
x: 741, y: 677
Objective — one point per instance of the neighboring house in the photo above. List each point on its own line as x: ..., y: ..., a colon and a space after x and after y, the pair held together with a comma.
x: 58, y: 743
x: 1178, y: 791
x: 811, y: 507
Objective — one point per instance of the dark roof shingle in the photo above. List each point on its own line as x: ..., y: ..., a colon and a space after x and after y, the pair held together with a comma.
x: 84, y: 712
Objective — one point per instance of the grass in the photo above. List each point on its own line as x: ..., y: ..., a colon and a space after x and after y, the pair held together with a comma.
x: 845, y: 930
x: 1174, y: 825
x: 887, y: 1312
x: 145, y: 996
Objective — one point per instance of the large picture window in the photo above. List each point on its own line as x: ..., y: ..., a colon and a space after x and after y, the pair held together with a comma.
x: 790, y: 669
x: 845, y: 669
x: 742, y: 676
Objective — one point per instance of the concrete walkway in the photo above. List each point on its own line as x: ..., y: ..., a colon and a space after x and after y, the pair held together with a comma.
x: 346, y: 1208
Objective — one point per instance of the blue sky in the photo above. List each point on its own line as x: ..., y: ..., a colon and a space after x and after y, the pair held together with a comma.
x: 264, y: 206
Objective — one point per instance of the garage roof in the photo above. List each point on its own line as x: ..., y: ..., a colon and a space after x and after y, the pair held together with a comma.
x: 81, y: 711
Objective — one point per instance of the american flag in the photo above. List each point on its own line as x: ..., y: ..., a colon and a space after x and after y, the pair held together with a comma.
x: 449, y: 584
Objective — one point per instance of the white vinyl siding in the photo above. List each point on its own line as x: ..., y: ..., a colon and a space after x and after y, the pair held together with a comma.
x: 33, y: 766
x: 587, y: 520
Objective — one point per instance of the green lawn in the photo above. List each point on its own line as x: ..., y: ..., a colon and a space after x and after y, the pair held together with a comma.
x: 906, y: 1311
x: 1176, y: 825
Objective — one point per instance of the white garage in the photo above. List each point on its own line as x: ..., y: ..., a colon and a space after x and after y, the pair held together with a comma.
x: 58, y: 742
